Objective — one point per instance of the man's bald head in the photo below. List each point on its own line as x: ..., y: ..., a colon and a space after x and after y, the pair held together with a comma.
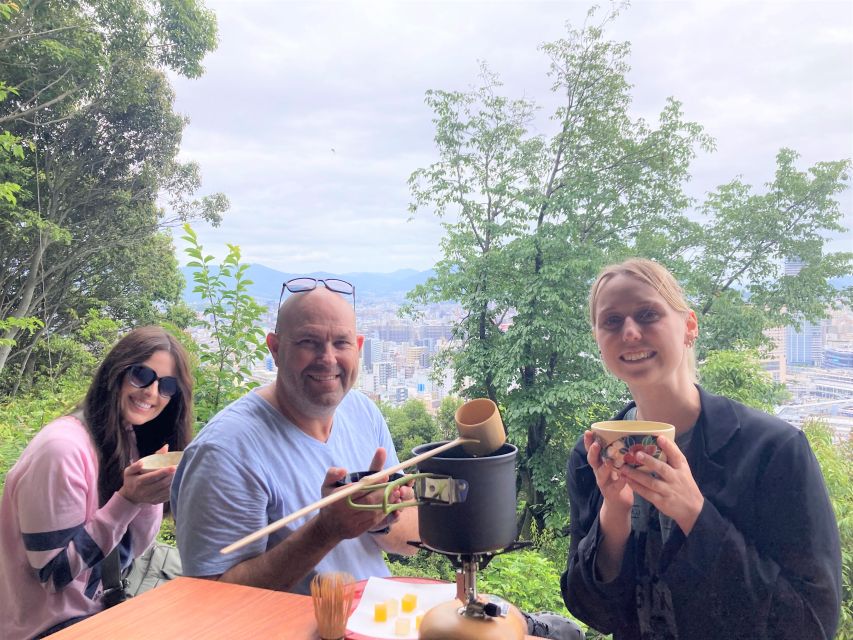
x: 316, y: 350
x: 299, y: 305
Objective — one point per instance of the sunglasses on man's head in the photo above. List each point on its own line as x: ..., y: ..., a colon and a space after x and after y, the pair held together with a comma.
x: 141, y: 376
x: 301, y: 285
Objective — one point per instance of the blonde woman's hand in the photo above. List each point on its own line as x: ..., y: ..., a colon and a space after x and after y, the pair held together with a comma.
x: 617, y: 495
x: 614, y: 518
x: 147, y: 487
x: 672, y: 489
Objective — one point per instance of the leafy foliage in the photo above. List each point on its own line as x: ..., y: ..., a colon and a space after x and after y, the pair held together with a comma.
x: 530, y: 220
x: 738, y: 280
x: 28, y: 325
x: 738, y: 375
x: 93, y: 142
x: 535, y: 218
x: 410, y: 426
x: 527, y: 579
x: 232, y: 317
x: 445, y: 418
x: 836, y: 463
x: 423, y: 564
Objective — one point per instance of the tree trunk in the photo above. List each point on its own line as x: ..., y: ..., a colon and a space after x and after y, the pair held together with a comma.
x: 25, y: 306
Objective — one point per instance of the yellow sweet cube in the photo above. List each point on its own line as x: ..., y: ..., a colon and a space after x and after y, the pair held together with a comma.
x: 393, y: 607
x: 418, y: 619
x: 409, y: 602
x: 402, y: 626
x: 380, y: 612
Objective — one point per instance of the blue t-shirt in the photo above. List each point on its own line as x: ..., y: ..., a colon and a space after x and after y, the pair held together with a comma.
x: 250, y: 466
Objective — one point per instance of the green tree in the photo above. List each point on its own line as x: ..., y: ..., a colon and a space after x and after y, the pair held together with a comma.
x: 737, y: 278
x: 531, y: 219
x: 535, y: 218
x: 93, y: 103
x: 72, y: 355
x: 11, y: 153
x: 446, y: 417
x: 232, y: 318
x: 738, y: 375
x: 410, y: 425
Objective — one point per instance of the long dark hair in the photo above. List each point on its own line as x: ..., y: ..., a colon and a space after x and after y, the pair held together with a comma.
x: 102, y: 407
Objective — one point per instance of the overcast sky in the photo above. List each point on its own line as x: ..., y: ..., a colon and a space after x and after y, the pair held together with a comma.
x: 311, y: 115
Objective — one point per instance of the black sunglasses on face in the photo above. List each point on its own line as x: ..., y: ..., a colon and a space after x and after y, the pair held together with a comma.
x: 301, y: 285
x: 141, y: 376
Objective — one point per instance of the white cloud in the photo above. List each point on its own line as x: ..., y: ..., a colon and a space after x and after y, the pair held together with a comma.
x: 311, y: 115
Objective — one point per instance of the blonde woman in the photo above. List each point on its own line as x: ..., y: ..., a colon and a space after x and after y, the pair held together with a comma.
x: 734, y: 536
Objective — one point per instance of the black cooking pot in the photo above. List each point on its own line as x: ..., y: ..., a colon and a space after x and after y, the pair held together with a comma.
x: 486, y: 520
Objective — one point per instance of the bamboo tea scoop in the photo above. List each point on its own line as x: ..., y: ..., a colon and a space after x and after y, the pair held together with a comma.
x: 481, y: 433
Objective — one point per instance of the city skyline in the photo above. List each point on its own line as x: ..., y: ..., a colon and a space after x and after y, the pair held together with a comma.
x: 396, y: 363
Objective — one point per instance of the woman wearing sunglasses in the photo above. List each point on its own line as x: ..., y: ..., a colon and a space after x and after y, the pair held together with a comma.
x: 78, y: 490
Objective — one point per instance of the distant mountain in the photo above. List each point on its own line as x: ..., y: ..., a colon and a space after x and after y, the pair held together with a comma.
x: 267, y: 283
x: 368, y: 286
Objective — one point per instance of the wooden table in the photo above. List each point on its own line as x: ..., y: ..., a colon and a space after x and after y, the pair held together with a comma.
x: 190, y: 608
x: 187, y: 608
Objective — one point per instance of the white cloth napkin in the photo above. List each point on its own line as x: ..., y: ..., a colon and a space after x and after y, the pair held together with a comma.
x: 379, y: 590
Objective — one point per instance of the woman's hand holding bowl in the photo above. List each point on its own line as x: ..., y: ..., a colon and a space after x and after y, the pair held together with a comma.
x: 670, y: 486
x: 147, y: 487
x: 613, y: 486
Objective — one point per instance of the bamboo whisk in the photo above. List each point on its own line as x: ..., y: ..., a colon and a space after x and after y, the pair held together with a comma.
x: 332, y: 594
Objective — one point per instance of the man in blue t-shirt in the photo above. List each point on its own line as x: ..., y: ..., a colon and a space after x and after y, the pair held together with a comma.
x: 283, y: 446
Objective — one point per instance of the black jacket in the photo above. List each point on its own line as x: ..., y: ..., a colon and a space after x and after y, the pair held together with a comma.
x: 763, y: 559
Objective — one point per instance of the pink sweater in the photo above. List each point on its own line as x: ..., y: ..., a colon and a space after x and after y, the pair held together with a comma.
x: 53, y: 536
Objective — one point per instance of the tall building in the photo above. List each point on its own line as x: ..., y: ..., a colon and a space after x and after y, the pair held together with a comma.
x: 775, y: 362
x: 371, y: 352
x: 803, y: 346
x: 793, y: 266
x: 396, y: 332
x: 383, y: 371
x: 434, y: 332
x: 413, y: 356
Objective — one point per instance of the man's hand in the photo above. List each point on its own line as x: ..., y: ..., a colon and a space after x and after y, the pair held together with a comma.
x: 340, y: 520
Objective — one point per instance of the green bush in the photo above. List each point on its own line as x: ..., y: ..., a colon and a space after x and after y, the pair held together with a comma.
x: 836, y: 462
x: 422, y: 565
x: 525, y: 578
x: 21, y: 417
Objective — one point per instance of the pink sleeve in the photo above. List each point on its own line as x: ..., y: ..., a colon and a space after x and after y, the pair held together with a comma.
x: 63, y: 530
x: 145, y: 527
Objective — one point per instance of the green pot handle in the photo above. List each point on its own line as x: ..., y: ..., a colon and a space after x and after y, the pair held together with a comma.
x: 389, y: 487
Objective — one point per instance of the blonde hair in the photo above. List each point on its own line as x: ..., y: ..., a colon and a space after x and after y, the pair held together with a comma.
x: 654, y: 275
